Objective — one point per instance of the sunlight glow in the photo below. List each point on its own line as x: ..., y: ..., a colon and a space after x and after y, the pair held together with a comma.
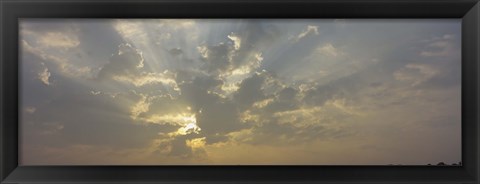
x: 187, y: 129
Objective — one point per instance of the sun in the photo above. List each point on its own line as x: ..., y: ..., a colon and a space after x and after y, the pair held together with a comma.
x: 190, y: 127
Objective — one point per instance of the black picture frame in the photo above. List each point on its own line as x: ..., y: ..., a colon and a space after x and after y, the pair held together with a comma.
x: 13, y: 10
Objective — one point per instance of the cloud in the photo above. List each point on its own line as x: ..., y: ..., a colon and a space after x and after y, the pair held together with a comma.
x: 239, y: 58
x: 196, y: 110
x: 175, y: 51
x: 44, y: 76
x: 126, y: 62
x: 130, y: 29
x: 58, y: 39
x: 329, y: 50
x: 104, y: 118
x: 308, y: 31
x: 128, y: 66
x: 439, y: 46
x: 155, y: 34
x: 285, y: 115
x: 218, y: 92
x: 278, y: 105
x: 237, y: 42
x: 188, y: 146
x: 30, y: 110
x: 61, y: 63
x: 219, y: 118
x: 165, y: 78
x: 186, y: 142
x: 51, y: 128
x: 415, y: 74
x: 196, y: 92
x: 52, y: 36
x: 213, y: 114
x: 217, y: 57
x: 250, y: 91
x: 180, y: 148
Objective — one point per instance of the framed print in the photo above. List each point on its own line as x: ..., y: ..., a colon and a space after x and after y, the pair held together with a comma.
x: 239, y: 91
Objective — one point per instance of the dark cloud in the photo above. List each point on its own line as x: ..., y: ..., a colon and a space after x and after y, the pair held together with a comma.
x: 216, y: 57
x: 93, y: 120
x: 243, y: 50
x: 179, y: 147
x: 285, y: 100
x: 216, y: 138
x: 254, y: 37
x: 175, y: 51
x: 287, y: 94
x: 196, y: 92
x: 127, y: 62
x: 280, y: 106
x: 214, y: 114
x: 219, y: 118
x: 250, y: 91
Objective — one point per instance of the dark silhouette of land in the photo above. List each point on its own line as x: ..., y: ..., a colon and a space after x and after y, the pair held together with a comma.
x: 438, y: 164
x: 444, y: 164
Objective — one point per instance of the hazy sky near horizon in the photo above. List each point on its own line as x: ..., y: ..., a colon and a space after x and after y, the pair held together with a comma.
x: 240, y: 91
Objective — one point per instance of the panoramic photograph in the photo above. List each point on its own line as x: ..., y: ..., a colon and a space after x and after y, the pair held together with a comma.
x: 240, y: 92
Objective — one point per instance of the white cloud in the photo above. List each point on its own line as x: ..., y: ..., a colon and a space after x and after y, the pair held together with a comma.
x: 65, y: 66
x: 183, y: 118
x: 329, y: 50
x: 166, y: 78
x: 308, y: 31
x: 131, y: 30
x: 140, y: 107
x: 63, y: 37
x: 237, y: 41
x: 44, y: 76
x: 59, y: 40
x: 197, y: 143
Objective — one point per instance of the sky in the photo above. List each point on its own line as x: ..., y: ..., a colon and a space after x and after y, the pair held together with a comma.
x: 240, y: 91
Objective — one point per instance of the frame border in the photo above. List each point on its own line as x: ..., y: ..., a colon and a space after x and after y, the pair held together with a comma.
x: 12, y: 10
